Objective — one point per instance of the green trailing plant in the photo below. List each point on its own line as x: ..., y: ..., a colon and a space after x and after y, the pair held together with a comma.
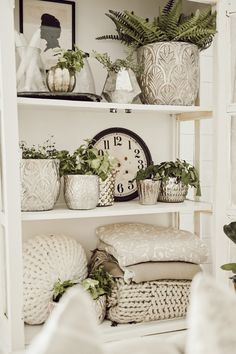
x: 150, y: 172
x: 171, y: 25
x: 99, y: 283
x: 45, y: 151
x: 230, y: 232
x: 73, y: 60
x: 86, y: 160
x: 118, y: 64
x: 183, y: 171
x: 60, y: 287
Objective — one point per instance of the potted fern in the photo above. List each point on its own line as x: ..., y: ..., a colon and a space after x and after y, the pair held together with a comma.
x: 230, y: 231
x: 121, y: 85
x: 168, y: 49
x: 61, y: 77
x: 83, y: 170
x: 176, y: 177
x: 40, y: 179
x: 148, y: 185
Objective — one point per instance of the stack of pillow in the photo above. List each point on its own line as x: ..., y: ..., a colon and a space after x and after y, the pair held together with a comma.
x: 153, y: 267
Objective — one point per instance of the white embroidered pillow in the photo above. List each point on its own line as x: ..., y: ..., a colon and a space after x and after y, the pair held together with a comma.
x: 132, y: 243
x: 211, y: 318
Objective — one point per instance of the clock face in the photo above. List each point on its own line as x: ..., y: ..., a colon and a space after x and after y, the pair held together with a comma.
x: 131, y: 153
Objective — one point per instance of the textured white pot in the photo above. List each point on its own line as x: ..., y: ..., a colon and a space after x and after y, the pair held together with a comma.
x: 40, y: 184
x: 81, y: 191
x: 60, y: 80
x: 171, y: 73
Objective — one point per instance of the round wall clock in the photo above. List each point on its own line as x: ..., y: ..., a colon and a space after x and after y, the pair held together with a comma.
x: 131, y: 153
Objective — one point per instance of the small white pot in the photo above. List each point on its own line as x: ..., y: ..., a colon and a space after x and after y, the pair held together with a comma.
x: 60, y: 80
x: 81, y: 191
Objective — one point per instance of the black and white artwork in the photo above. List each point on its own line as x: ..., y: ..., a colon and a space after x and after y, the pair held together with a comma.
x: 48, y: 25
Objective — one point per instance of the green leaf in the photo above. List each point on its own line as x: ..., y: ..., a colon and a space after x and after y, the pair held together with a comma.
x: 229, y: 267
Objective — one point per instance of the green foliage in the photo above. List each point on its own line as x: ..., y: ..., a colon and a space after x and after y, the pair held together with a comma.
x: 73, y: 60
x: 59, y: 288
x: 45, y: 151
x: 230, y: 231
x: 229, y: 266
x: 118, y: 64
x: 86, y: 161
x: 99, y: 283
x: 183, y: 171
x: 170, y: 25
x: 150, y: 172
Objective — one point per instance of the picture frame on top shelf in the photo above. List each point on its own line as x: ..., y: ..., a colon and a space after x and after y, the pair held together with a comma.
x: 48, y: 24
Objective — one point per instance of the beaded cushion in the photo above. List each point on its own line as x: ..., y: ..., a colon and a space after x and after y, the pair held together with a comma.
x: 48, y: 258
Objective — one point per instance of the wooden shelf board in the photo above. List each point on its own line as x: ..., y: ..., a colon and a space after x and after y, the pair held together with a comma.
x: 122, y: 331
x: 118, y: 209
x: 101, y: 106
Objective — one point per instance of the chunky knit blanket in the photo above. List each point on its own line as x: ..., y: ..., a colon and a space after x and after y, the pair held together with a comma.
x: 147, y: 301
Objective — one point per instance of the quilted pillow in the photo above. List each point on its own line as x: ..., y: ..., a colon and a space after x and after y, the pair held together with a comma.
x: 132, y: 243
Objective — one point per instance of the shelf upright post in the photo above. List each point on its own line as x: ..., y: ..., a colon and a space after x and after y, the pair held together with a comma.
x: 11, y: 323
x: 220, y: 148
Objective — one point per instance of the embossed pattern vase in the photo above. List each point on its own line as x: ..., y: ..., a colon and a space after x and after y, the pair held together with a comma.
x: 121, y: 87
x: 107, y: 190
x: 40, y: 184
x: 81, y: 191
x: 60, y: 80
x: 171, y: 73
x: 148, y: 191
x: 172, y: 191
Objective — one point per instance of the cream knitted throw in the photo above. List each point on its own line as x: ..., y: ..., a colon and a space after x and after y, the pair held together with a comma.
x: 147, y: 301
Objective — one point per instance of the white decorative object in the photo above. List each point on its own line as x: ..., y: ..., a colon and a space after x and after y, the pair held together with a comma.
x: 211, y: 318
x: 81, y: 191
x: 71, y: 328
x: 47, y: 259
x: 132, y: 243
x: 148, y: 301
x: 171, y: 73
x: 40, y: 184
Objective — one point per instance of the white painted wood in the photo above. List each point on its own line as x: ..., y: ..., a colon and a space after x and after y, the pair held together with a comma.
x: 208, y: 2
x: 220, y: 200
x: 123, y: 331
x: 96, y: 106
x: 118, y: 209
x: 14, y: 329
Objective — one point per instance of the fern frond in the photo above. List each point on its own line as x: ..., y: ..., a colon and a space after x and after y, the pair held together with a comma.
x: 109, y: 36
x: 168, y: 22
x: 168, y: 6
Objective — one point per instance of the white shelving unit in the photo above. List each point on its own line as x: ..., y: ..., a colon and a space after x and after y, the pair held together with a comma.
x: 12, y: 221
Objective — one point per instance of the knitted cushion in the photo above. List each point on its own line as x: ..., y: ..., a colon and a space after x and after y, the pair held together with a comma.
x: 148, y: 301
x: 47, y: 259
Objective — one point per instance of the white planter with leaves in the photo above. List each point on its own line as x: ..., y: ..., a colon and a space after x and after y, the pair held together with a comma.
x: 60, y: 80
x: 81, y: 191
x: 40, y: 184
x: 170, y: 73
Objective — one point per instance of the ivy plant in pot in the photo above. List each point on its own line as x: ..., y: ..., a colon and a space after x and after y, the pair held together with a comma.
x: 121, y: 85
x: 148, y: 184
x: 168, y: 48
x: 61, y: 77
x: 98, y: 285
x: 230, y: 231
x: 40, y: 178
x: 82, y: 170
x: 176, y: 177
